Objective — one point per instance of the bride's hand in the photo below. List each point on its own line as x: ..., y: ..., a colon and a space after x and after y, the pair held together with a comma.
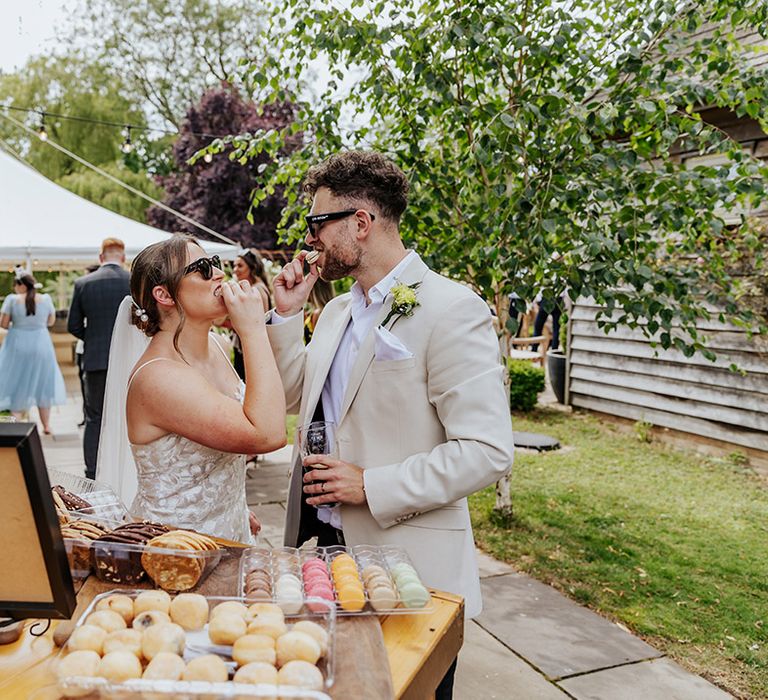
x: 245, y: 307
x: 254, y: 523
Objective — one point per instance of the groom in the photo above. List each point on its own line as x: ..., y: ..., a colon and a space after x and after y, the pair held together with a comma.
x: 416, y: 391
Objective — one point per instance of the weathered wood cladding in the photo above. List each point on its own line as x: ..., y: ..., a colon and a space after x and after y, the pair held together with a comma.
x: 622, y: 375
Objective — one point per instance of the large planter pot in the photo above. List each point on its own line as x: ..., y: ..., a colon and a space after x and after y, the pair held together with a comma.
x: 60, y: 324
x: 556, y: 364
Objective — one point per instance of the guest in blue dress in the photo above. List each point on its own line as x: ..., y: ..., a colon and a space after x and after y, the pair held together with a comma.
x: 29, y: 373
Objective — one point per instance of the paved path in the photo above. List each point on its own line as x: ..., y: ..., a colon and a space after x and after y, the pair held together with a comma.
x: 530, y: 642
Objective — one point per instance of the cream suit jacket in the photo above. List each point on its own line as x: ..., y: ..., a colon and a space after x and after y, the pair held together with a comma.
x: 428, y: 430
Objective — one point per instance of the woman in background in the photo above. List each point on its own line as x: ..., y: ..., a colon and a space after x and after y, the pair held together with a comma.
x: 249, y: 266
x: 29, y: 373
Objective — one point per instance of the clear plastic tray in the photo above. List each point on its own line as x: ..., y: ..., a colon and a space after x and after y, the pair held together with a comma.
x: 105, y: 503
x: 176, y: 569
x: 197, y: 644
x: 279, y: 561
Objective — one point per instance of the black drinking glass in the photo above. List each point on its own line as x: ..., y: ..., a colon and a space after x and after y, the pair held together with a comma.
x: 317, y: 438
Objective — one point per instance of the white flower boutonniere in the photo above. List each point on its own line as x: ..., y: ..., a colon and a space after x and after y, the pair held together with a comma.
x: 404, y: 301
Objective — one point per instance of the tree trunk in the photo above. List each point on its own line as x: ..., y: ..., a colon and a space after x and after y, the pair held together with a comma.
x: 503, y: 507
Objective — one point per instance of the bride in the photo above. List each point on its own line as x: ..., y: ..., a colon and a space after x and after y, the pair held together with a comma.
x: 190, y: 419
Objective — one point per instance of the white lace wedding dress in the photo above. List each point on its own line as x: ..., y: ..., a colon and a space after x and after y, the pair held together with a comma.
x: 189, y: 485
x: 173, y: 479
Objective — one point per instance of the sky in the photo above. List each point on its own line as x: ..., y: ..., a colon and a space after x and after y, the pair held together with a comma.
x: 26, y: 28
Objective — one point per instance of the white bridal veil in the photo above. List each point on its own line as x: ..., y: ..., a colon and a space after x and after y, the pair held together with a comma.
x: 114, y: 464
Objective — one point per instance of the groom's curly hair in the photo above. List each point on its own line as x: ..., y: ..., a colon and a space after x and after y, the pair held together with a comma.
x: 362, y: 175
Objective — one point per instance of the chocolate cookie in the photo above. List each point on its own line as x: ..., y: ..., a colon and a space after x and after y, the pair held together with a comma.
x: 113, y: 561
x: 69, y: 499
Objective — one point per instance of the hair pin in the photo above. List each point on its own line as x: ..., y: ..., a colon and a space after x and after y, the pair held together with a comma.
x: 140, y: 313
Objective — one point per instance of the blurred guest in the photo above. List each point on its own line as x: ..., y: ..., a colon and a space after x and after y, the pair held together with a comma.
x: 29, y: 374
x: 79, y: 350
x: 92, y: 315
x: 320, y: 295
x: 249, y: 266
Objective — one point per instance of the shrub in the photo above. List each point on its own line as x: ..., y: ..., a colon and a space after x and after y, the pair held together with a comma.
x: 526, y: 380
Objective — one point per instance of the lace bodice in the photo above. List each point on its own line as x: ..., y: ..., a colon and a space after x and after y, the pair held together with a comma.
x: 189, y: 485
x: 186, y: 484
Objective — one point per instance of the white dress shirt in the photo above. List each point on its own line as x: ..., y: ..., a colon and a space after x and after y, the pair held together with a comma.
x: 364, y: 315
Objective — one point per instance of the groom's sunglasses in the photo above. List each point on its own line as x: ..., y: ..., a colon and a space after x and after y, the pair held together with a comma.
x: 315, y: 221
x: 204, y: 266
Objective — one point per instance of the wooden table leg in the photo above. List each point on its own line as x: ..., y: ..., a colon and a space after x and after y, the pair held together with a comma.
x: 421, y: 647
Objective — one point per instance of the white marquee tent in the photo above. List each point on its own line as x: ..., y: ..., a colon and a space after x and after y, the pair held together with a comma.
x: 45, y: 227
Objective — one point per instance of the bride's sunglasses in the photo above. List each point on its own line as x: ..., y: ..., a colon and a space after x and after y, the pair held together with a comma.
x: 204, y: 266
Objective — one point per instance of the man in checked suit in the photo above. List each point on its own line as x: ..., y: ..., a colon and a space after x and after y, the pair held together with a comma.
x: 422, y: 417
x: 91, y: 318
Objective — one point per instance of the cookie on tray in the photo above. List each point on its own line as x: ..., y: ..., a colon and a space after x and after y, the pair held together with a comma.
x: 113, y: 562
x: 181, y: 571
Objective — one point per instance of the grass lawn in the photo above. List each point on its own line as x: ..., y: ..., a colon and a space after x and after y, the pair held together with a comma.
x: 672, y: 544
x: 290, y: 428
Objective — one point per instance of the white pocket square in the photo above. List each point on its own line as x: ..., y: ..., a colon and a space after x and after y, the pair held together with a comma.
x: 388, y: 346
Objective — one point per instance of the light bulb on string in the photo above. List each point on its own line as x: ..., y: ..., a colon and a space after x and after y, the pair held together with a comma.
x: 41, y: 131
x: 208, y: 157
x: 127, y: 146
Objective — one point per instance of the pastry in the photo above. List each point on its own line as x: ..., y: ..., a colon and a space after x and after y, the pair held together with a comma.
x: 266, y: 610
x: 315, y: 631
x: 414, y: 595
x: 312, y: 257
x: 293, y: 646
x: 79, y: 534
x: 107, y: 619
x: 254, y: 647
x: 165, y: 666
x: 152, y: 600
x: 317, y: 583
x: 87, y: 638
x: 271, y: 626
x: 226, y: 628
x: 68, y: 500
x: 301, y: 674
x: 206, y: 668
x: 233, y: 607
x: 119, y: 603
x: 288, y: 593
x: 151, y: 617
x: 78, y: 663
x: 256, y: 672
x: 258, y: 584
x: 119, y: 666
x: 164, y: 637
x: 118, y: 564
x: 123, y: 640
x: 177, y: 572
x: 190, y: 610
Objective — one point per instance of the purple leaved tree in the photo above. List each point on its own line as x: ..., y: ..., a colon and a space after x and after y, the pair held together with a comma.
x: 218, y: 194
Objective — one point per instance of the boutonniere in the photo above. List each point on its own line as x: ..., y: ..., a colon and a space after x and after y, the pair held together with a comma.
x: 404, y: 301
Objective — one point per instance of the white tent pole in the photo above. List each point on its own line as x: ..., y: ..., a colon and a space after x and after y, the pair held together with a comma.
x: 128, y: 187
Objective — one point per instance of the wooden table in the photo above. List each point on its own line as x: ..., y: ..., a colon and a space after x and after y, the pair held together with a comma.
x: 419, y: 647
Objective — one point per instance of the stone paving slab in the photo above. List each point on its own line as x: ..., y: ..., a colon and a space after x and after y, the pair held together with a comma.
x: 272, y: 518
x: 267, y: 483
x: 491, y: 567
x: 554, y: 634
x: 487, y: 669
x: 657, y: 678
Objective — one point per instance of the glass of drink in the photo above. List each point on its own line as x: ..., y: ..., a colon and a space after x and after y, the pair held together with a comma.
x: 317, y: 438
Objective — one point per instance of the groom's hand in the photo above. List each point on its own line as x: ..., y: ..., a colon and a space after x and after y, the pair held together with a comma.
x: 292, y: 286
x: 335, y: 481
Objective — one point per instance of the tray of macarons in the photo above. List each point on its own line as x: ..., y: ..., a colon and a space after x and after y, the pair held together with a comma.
x: 360, y: 580
x: 149, y: 644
